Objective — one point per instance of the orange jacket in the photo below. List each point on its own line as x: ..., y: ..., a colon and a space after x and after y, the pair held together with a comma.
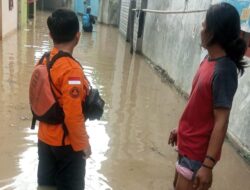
x: 68, y: 77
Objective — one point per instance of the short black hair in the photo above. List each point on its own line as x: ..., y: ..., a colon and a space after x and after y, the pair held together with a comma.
x: 63, y: 25
x: 88, y: 10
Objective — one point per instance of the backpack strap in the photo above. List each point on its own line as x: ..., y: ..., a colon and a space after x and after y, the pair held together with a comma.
x: 58, y: 56
x: 50, y: 64
x: 33, y: 122
x: 42, y: 58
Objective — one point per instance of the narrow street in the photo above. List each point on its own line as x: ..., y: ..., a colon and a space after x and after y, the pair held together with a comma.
x: 129, y: 144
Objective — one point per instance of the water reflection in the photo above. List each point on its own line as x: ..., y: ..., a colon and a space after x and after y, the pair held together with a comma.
x: 27, y: 166
x: 28, y: 161
x: 99, y: 143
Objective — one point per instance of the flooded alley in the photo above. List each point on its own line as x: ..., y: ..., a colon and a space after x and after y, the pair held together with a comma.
x: 129, y: 143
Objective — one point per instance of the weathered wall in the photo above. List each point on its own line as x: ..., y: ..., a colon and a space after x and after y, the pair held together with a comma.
x: 173, y: 41
x: 80, y: 6
x: 8, y: 25
x: 51, y: 4
x: 103, y: 12
x: 22, y: 13
x: 94, y: 7
x: 109, y: 12
x: 239, y: 129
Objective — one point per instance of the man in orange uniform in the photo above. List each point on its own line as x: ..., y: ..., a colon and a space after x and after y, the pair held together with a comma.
x: 62, y: 160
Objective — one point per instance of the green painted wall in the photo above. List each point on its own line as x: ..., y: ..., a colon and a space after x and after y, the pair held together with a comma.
x: 22, y: 13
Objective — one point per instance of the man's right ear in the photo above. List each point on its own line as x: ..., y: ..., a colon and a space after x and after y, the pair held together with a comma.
x: 78, y: 35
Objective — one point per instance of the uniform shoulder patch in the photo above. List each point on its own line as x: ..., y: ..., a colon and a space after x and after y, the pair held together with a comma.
x: 74, y: 80
x: 74, y: 92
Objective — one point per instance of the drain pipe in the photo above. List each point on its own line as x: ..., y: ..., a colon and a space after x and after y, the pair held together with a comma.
x: 170, y: 12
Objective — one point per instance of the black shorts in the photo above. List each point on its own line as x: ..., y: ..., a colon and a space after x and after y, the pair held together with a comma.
x: 60, y: 166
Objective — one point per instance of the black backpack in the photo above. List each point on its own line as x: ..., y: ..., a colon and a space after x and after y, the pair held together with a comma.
x: 93, y: 106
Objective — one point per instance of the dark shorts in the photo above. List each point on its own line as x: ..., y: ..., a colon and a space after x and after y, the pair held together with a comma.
x: 61, y: 167
x: 187, y: 167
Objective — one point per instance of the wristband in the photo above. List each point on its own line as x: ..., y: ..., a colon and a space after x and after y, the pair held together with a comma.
x: 208, y: 167
x: 211, y: 158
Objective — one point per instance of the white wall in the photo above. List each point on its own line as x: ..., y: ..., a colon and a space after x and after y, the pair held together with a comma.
x: 109, y: 12
x: 239, y: 128
x: 172, y: 41
x: 9, y: 17
x: 103, y: 12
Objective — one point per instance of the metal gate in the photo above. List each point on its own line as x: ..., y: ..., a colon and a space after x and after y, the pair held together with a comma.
x: 124, y: 16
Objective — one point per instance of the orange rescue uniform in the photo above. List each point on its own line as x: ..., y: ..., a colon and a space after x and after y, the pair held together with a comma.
x: 68, y: 77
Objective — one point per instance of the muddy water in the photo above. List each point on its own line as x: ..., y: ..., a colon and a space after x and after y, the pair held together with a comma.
x: 129, y: 144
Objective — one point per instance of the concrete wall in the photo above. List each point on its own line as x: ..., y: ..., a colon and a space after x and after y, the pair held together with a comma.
x: 104, y: 12
x: 8, y: 17
x: 239, y: 129
x: 176, y: 39
x: 51, y: 4
x: 80, y: 6
x: 95, y: 7
x: 22, y: 13
x: 109, y: 12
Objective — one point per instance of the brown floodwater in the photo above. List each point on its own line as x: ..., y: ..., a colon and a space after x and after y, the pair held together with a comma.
x: 129, y: 144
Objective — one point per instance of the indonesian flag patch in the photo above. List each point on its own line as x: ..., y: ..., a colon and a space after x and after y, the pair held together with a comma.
x: 74, y: 80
